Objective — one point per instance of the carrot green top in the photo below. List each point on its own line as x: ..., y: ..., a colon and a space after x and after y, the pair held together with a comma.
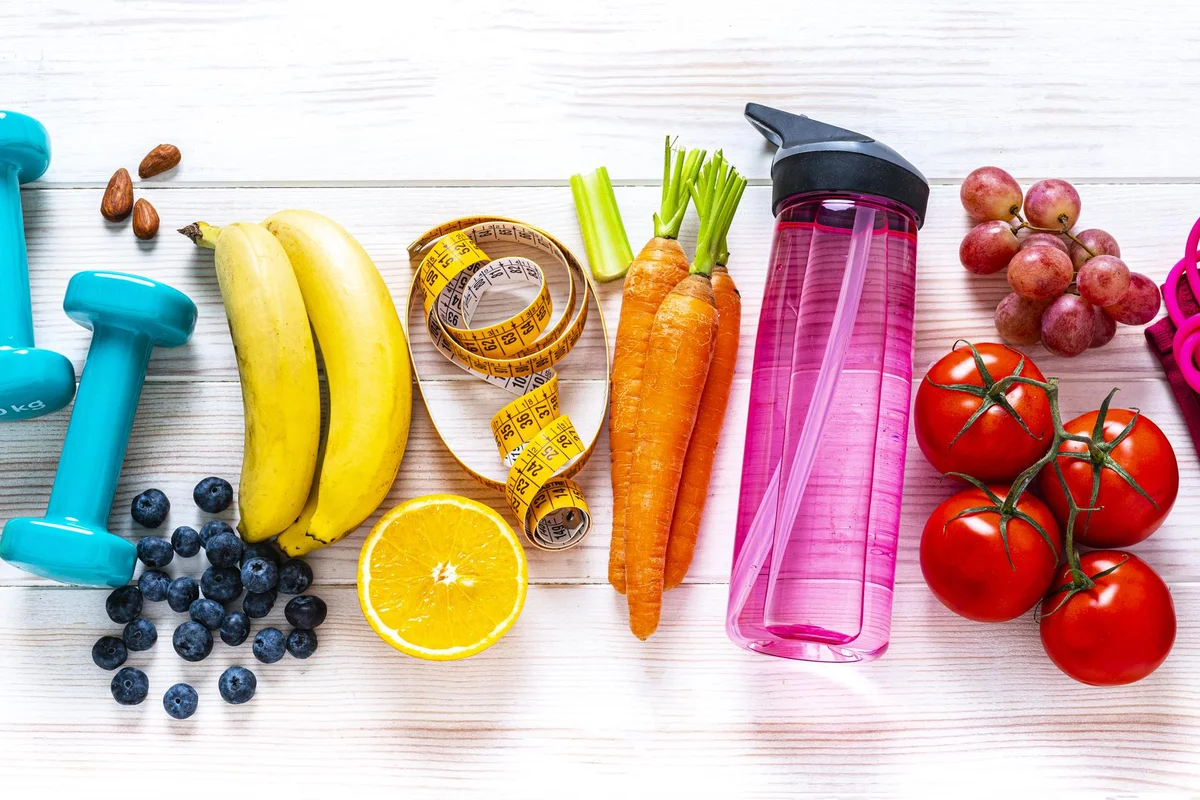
x: 677, y: 182
x: 716, y: 194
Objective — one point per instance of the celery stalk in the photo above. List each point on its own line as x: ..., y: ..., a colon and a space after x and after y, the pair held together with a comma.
x: 604, y: 238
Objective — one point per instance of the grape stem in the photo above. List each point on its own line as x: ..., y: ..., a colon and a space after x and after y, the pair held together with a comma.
x: 1059, y: 231
x: 1098, y: 454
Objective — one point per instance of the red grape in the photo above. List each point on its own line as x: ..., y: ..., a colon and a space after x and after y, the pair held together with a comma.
x: 988, y: 247
x: 1106, y: 329
x: 990, y: 193
x: 1040, y: 273
x: 1101, y: 243
x: 1019, y: 320
x: 1044, y: 240
x: 1103, y: 280
x: 1048, y: 202
x: 1140, y: 303
x: 1068, y: 326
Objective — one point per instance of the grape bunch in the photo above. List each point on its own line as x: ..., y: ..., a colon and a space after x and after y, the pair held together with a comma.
x: 1069, y: 290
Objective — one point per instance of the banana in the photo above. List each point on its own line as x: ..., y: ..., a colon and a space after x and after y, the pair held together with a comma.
x: 367, y: 370
x: 277, y: 364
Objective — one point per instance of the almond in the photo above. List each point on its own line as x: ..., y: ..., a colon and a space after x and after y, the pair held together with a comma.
x: 118, y: 197
x: 159, y: 160
x: 145, y: 220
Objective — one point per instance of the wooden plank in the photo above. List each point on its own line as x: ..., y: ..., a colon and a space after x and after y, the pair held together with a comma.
x: 185, y: 431
x: 570, y: 696
x: 66, y: 234
x: 179, y: 420
x: 494, y: 90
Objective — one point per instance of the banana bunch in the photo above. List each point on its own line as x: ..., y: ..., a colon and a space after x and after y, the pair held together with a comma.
x: 307, y: 485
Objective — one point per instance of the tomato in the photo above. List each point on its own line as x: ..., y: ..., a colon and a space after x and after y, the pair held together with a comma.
x: 1116, y: 632
x: 995, y: 448
x: 967, y: 568
x: 1124, y: 517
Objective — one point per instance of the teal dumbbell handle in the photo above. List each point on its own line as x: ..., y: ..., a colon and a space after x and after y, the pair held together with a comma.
x: 105, y: 405
x: 16, y: 316
x: 128, y: 316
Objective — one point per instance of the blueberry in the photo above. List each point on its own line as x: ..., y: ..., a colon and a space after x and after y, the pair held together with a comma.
x: 192, y: 641
x: 130, y: 686
x: 181, y: 593
x: 180, y: 701
x: 259, y: 575
x: 221, y: 584
x: 124, y: 604
x: 109, y: 652
x: 258, y: 604
x: 155, y: 551
x: 154, y: 585
x: 269, y: 645
x: 266, y: 550
x: 235, y: 628
x: 237, y: 685
x: 211, y: 529
x: 305, y: 611
x: 302, y: 643
x: 208, y: 613
x: 224, y: 550
x: 213, y: 495
x: 186, y: 541
x: 140, y: 634
x: 150, y: 508
x: 295, y: 576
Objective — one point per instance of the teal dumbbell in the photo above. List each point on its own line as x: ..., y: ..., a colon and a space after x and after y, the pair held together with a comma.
x: 129, y: 316
x: 32, y: 382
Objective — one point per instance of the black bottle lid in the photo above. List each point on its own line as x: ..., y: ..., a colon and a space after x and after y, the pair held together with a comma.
x: 816, y: 157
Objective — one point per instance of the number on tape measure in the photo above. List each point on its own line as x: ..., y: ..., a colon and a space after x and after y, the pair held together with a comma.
x: 539, y: 445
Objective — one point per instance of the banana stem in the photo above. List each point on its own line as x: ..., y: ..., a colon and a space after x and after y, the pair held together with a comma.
x: 202, y: 234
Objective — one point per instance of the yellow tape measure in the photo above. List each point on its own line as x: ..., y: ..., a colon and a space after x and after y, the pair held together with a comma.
x: 537, y: 443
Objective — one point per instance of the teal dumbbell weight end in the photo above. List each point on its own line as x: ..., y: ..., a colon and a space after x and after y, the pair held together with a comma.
x: 32, y: 382
x: 129, y: 316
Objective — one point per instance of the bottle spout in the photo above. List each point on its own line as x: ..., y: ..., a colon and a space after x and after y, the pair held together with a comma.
x: 813, y: 156
x: 784, y: 130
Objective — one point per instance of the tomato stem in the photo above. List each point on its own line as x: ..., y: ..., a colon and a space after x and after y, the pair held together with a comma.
x: 1098, y: 454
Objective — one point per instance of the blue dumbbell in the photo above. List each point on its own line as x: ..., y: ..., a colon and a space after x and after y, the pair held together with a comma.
x: 32, y: 382
x: 129, y: 316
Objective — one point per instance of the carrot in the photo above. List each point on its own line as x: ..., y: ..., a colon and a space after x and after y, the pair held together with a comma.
x: 658, y: 268
x: 683, y: 341
x: 702, y: 449
x: 697, y: 467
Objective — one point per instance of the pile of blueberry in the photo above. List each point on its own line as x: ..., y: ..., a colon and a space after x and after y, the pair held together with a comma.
x: 258, y: 569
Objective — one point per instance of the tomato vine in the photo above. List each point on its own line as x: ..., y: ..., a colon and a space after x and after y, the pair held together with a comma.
x: 1098, y: 452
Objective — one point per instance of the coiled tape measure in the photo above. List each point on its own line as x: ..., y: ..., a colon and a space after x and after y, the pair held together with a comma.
x: 539, y: 445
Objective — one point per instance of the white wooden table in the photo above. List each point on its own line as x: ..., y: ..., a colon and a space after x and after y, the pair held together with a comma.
x: 391, y: 120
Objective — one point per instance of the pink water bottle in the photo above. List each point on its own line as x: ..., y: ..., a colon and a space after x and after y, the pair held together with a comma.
x: 814, y: 558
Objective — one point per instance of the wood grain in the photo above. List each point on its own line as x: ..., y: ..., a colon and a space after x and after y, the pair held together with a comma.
x: 304, y: 91
x: 393, y: 117
x: 570, y: 701
x: 185, y: 431
x: 66, y: 234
